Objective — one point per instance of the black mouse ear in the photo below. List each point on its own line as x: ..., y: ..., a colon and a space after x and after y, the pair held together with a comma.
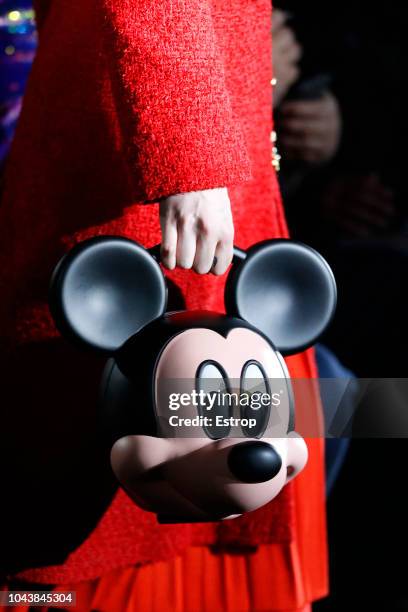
x: 286, y: 290
x: 104, y: 290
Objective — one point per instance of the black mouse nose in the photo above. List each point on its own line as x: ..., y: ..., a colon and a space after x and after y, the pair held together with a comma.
x: 254, y: 461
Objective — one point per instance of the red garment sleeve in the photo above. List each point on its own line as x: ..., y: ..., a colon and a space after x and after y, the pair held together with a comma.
x: 171, y: 97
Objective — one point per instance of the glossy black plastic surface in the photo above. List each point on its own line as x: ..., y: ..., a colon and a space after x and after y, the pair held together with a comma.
x: 106, y: 289
x: 286, y: 290
x: 254, y: 461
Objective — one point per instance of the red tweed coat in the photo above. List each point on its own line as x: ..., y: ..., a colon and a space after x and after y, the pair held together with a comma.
x: 128, y: 102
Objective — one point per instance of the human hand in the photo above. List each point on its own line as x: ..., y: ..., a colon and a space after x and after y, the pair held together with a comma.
x: 196, y: 228
x: 286, y: 53
x: 310, y: 130
x: 359, y: 206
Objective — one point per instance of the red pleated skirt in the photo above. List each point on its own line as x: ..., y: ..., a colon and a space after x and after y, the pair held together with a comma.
x: 197, y: 581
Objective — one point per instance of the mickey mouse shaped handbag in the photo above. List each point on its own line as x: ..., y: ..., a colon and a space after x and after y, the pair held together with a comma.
x: 177, y: 447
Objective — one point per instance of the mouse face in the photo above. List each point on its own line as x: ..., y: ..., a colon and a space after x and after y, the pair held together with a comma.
x: 198, y: 405
x: 192, y: 468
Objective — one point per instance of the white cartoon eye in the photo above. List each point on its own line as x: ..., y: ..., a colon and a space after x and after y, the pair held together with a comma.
x: 255, y: 399
x: 212, y: 371
x: 211, y: 381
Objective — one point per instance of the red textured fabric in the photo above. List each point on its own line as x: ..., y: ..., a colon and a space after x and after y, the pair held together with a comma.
x: 170, y: 90
x: 127, y: 102
x: 196, y: 581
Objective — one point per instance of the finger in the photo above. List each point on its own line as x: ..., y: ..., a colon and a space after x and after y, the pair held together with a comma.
x: 302, y: 108
x: 284, y: 40
x: 301, y: 127
x: 310, y: 137
x: 286, y: 60
x: 300, y: 142
x: 205, y: 253
x: 285, y: 78
x: 223, y: 254
x: 293, y: 54
x: 279, y: 17
x: 168, y: 242
x: 186, y: 244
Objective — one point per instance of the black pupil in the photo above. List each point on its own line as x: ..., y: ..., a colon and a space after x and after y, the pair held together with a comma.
x: 214, y: 386
x: 261, y: 417
x: 220, y: 409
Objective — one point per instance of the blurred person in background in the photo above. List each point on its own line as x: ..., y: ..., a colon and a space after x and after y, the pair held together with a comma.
x: 343, y: 169
x: 309, y: 124
x: 342, y: 127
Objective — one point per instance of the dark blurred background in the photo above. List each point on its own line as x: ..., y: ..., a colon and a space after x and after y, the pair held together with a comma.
x: 342, y: 128
x: 18, y: 42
